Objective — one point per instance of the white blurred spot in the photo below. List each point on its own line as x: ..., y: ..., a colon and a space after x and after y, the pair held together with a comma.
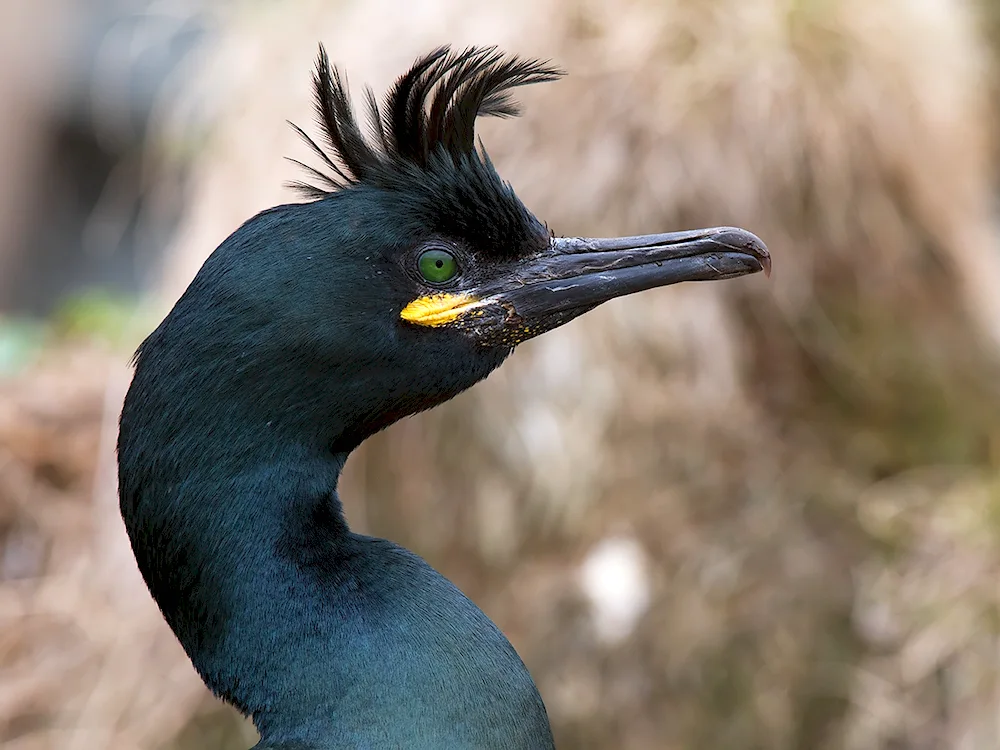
x: 614, y: 580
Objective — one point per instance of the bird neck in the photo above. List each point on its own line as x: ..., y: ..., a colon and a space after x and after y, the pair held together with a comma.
x: 230, y: 449
x: 244, y: 567
x: 325, y: 638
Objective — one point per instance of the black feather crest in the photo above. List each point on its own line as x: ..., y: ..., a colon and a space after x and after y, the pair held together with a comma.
x: 431, y: 108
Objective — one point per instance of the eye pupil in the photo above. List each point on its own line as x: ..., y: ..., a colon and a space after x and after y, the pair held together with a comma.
x: 437, y: 266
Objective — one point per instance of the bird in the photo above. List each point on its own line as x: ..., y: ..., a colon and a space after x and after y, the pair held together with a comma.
x: 406, y: 275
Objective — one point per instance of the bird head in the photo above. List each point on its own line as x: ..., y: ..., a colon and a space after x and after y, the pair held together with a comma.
x: 414, y: 269
x: 410, y: 275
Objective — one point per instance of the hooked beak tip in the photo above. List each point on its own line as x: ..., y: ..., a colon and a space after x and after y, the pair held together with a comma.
x: 747, y: 243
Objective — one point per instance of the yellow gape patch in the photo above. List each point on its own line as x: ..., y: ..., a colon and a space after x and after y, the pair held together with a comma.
x: 439, y: 309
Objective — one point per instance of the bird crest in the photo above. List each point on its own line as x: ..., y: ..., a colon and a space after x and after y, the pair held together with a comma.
x: 429, y: 113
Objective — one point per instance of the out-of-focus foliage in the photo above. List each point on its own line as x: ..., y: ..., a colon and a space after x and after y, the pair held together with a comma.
x: 99, y: 315
x: 19, y: 340
x: 743, y: 515
x: 96, y: 316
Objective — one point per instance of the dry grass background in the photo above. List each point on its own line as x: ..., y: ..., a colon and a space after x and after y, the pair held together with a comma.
x: 805, y: 471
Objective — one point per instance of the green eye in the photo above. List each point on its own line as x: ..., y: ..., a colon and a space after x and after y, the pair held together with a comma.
x: 437, y: 266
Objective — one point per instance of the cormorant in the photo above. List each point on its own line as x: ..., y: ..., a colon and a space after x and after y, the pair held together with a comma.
x: 410, y: 275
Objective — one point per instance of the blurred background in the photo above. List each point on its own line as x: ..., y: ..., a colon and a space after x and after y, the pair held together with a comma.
x: 758, y: 514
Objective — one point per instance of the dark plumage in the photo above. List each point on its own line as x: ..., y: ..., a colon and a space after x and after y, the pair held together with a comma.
x: 408, y: 278
x: 423, y: 145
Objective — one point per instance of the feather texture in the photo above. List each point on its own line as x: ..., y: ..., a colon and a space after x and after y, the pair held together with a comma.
x: 430, y: 110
